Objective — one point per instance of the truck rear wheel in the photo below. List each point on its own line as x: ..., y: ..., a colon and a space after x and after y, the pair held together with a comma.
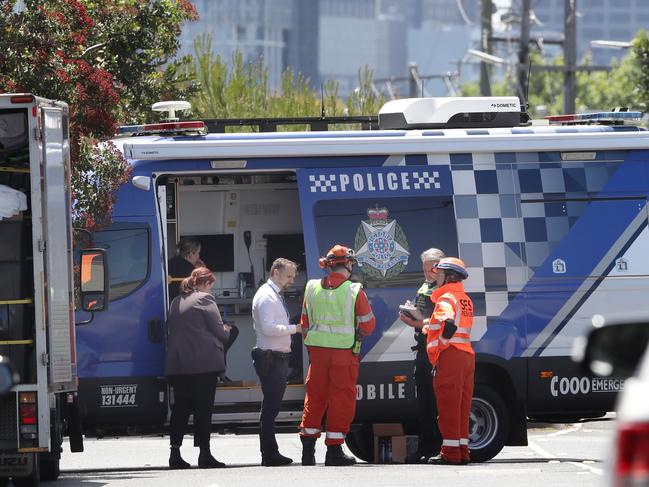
x: 50, y: 468
x: 361, y: 443
x: 488, y: 425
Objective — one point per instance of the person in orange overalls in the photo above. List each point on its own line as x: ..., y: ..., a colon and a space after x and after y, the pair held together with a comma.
x: 336, y: 315
x: 448, y: 338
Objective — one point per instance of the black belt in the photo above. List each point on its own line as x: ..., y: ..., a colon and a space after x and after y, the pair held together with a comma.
x: 276, y: 353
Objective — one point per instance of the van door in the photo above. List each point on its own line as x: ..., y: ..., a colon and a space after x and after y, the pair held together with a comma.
x: 58, y: 249
x: 389, y: 215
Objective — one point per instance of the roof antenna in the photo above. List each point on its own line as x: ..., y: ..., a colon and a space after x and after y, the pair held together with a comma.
x: 171, y: 107
x: 322, y: 108
x: 527, y: 85
x: 422, y: 88
x: 525, y: 108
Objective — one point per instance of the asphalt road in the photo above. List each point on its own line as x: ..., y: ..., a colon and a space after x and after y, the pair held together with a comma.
x: 557, y: 455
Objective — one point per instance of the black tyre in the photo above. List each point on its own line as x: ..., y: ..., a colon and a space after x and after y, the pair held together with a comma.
x: 361, y: 443
x: 489, y: 424
x: 50, y: 468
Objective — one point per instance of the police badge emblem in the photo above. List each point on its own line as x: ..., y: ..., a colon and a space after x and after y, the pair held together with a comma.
x: 382, y: 245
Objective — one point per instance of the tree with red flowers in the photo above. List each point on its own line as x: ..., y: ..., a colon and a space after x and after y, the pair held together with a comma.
x: 109, y: 61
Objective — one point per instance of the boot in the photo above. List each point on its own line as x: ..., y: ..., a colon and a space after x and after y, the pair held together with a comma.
x: 308, y: 450
x: 336, y: 457
x: 206, y: 460
x: 176, y: 462
x: 275, y: 460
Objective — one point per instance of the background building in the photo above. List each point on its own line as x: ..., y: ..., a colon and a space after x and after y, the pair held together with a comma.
x: 284, y: 33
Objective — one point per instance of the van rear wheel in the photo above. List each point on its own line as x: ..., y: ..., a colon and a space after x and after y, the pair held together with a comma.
x: 361, y: 443
x: 488, y: 424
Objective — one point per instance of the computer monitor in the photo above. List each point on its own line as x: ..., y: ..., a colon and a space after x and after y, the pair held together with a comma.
x: 217, y: 251
x: 289, y: 246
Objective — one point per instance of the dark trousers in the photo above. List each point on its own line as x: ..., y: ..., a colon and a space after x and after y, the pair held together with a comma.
x: 273, y: 386
x: 430, y: 438
x: 234, y: 333
x: 193, y: 393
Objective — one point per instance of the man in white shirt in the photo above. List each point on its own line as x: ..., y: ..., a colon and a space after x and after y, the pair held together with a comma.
x: 270, y: 356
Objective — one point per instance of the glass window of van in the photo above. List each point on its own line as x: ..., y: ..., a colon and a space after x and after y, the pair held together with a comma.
x: 388, y: 234
x: 127, y: 252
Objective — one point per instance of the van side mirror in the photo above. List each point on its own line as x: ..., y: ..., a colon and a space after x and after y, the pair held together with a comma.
x: 614, y: 349
x: 8, y: 376
x: 94, y: 280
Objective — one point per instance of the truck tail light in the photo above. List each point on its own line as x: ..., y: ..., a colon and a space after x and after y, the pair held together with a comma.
x: 27, y: 408
x: 632, y: 462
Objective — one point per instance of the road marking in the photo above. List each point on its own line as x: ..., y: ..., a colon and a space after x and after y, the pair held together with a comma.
x: 572, y: 429
x: 553, y: 458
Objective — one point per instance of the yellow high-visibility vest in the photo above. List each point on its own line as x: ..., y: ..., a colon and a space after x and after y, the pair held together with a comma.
x: 332, y: 322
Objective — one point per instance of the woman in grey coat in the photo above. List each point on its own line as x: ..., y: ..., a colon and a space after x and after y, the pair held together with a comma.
x: 194, y: 359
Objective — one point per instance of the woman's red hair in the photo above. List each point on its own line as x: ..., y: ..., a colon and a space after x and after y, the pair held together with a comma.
x: 198, y: 277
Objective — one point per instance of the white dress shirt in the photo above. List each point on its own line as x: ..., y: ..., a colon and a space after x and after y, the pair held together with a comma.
x: 271, y: 320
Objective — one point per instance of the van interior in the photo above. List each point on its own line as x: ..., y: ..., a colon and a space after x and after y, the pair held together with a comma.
x: 244, y: 222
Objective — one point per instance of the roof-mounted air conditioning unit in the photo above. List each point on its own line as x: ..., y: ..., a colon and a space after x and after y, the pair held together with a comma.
x: 452, y: 112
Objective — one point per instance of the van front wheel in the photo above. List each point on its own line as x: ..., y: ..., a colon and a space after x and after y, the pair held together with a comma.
x: 488, y: 424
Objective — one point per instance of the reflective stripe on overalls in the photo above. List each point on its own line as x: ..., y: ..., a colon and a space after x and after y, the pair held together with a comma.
x: 331, y: 314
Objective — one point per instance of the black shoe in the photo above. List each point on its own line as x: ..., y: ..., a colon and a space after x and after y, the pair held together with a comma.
x: 308, y: 450
x: 417, y: 458
x: 336, y: 457
x: 206, y: 460
x: 440, y: 460
x: 276, y: 460
x: 176, y: 462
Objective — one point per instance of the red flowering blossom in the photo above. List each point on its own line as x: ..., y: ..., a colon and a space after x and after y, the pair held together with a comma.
x: 103, y: 59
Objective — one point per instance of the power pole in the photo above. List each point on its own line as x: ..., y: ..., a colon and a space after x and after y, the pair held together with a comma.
x: 524, y: 51
x: 485, y: 46
x: 413, y: 81
x: 570, y: 55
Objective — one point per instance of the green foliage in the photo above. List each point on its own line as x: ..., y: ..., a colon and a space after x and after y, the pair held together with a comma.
x: 626, y: 84
x: 241, y: 90
x: 365, y: 100
x: 641, y: 60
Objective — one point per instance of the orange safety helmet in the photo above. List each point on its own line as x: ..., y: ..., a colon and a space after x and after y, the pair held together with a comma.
x: 339, y: 254
x: 453, y: 264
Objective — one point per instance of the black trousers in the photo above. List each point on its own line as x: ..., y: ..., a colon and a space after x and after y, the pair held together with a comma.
x: 193, y: 393
x: 430, y: 438
x: 273, y: 386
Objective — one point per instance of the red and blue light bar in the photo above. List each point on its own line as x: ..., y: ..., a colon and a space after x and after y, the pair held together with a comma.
x: 614, y: 117
x: 162, y: 128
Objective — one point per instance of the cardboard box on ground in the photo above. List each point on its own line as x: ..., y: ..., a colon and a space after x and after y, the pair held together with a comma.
x: 391, y: 445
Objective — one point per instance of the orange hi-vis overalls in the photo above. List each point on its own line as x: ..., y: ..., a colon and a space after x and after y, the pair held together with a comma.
x: 331, y: 379
x: 454, y: 360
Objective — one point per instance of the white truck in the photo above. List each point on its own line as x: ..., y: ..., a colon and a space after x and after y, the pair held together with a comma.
x: 36, y: 289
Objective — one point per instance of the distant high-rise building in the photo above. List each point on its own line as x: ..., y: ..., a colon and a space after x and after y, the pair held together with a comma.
x: 451, y: 12
x: 614, y: 20
x: 283, y: 33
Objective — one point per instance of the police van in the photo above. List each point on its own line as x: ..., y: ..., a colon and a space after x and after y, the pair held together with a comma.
x: 550, y: 218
